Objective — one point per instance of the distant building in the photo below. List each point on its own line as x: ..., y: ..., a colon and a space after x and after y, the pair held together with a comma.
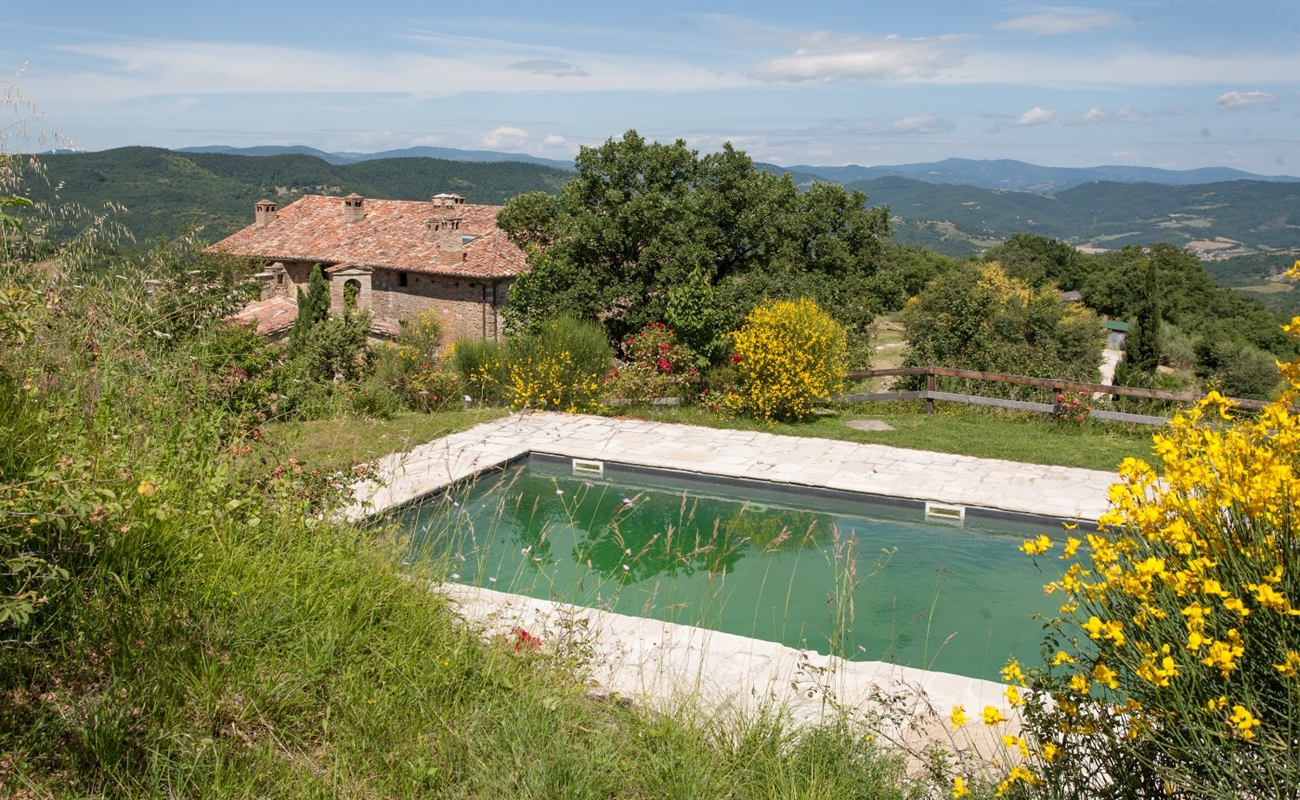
x: 399, y: 258
x: 1116, y: 332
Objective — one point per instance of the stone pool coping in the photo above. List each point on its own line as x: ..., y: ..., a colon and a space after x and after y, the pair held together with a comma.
x: 1057, y: 492
x: 661, y: 663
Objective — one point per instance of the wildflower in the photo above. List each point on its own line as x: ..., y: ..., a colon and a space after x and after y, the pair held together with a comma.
x: 1062, y: 657
x: 959, y: 717
x: 1013, y: 696
x: 1036, y: 547
x: 992, y: 716
x: 1049, y: 752
x: 1079, y: 683
x: 455, y: 576
x: 145, y: 488
x: 1106, y: 675
x: 1071, y: 545
x: 1288, y: 667
x: 959, y: 787
x: 559, y: 491
x: 1016, y: 742
x: 1012, y: 672
x: 1244, y: 721
x: 736, y: 359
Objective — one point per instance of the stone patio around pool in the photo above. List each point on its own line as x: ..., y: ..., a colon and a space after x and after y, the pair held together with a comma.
x: 1064, y: 492
x: 664, y: 664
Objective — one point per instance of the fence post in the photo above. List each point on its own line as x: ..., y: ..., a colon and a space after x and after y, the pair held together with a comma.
x: 929, y: 387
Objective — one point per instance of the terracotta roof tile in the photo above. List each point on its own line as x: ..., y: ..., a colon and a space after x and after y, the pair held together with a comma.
x: 272, y: 315
x: 390, y: 235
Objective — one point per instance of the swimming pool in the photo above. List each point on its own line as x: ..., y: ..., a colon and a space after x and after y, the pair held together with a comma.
x: 864, y: 577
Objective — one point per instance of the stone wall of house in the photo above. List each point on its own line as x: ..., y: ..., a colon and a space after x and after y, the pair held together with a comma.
x: 284, y: 278
x: 469, y: 308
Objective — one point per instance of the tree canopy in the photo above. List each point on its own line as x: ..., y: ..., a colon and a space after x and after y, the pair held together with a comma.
x: 642, y: 218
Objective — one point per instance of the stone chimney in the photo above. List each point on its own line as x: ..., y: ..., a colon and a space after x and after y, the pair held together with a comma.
x: 443, y: 228
x: 264, y: 213
x: 353, y: 208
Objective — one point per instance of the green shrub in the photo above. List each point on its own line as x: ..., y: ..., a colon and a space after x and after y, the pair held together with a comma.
x: 560, y: 367
x: 657, y: 365
x: 375, y: 401
x: 979, y: 319
x: 332, y: 349
x: 480, y: 365
x: 788, y: 353
x: 1238, y: 369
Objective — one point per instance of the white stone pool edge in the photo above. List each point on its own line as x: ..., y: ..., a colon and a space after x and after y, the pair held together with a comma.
x: 665, y: 664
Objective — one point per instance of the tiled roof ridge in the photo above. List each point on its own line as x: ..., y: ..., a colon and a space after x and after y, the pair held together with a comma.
x: 390, y: 234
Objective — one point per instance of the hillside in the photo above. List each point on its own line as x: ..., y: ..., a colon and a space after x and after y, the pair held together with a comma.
x: 165, y: 191
x: 1216, y: 219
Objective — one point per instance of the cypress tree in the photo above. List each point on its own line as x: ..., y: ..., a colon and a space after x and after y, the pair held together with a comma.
x: 1142, y: 348
x: 313, y: 307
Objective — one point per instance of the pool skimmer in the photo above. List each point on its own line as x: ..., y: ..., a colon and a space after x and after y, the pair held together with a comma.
x: 584, y: 467
x: 939, y: 512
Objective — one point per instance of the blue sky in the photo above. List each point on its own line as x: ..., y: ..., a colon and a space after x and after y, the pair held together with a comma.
x: 1177, y: 85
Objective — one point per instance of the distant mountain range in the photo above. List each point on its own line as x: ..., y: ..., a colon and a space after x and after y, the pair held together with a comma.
x: 1018, y: 176
x: 1004, y: 173
x: 165, y: 190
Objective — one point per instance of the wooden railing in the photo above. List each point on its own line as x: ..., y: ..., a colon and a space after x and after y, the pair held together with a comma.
x: 930, y: 394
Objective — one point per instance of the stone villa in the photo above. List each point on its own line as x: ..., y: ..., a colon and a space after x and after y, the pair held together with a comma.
x: 399, y: 257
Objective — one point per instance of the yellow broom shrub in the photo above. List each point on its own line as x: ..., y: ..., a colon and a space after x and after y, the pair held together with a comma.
x: 788, y: 353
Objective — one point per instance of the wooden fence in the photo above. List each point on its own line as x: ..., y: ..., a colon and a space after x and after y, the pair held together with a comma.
x: 930, y: 394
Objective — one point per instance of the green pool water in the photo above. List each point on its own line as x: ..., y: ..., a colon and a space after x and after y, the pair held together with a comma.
x: 866, y: 581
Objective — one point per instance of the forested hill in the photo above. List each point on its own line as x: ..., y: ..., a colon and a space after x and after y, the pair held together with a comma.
x: 164, y: 191
x: 1232, y: 218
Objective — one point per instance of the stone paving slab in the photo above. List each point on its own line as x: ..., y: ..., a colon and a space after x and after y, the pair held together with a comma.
x: 1064, y: 492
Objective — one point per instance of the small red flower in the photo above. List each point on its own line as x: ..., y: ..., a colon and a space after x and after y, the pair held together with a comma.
x: 664, y: 365
x: 663, y: 345
x: 736, y: 359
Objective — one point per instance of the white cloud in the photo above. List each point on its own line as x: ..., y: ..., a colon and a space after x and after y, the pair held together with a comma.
x: 553, y: 140
x: 922, y: 123
x: 1059, y: 24
x: 550, y: 66
x: 1032, y: 117
x: 505, y: 136
x: 1243, y: 99
x: 826, y: 57
x: 1096, y: 116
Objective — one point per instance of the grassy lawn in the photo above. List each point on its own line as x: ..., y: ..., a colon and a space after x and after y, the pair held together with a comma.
x: 333, y: 443
x: 1012, y: 436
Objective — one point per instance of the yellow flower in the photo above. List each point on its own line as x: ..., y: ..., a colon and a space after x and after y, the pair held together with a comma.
x: 1106, y: 675
x: 1079, y: 683
x: 1036, y: 547
x: 959, y: 717
x: 1288, y: 667
x: 992, y: 716
x: 1011, y: 672
x: 1016, y: 742
x: 1244, y: 721
x: 959, y: 787
x: 1049, y: 752
x: 1071, y: 545
x: 145, y: 488
x: 1062, y: 657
